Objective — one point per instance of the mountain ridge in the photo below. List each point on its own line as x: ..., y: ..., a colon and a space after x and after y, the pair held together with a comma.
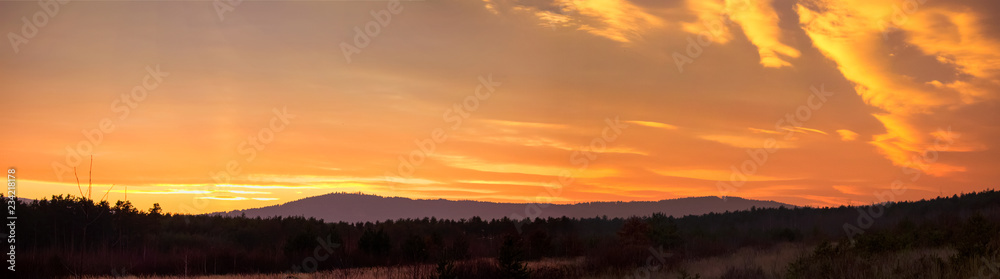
x: 358, y: 207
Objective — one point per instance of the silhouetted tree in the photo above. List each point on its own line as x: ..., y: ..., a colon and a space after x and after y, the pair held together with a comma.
x: 375, y: 243
x: 634, y: 232
x: 540, y: 244
x: 415, y: 248
x: 511, y: 258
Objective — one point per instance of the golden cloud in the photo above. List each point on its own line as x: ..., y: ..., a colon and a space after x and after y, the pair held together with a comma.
x: 847, y: 135
x: 853, y: 33
x: 757, y: 19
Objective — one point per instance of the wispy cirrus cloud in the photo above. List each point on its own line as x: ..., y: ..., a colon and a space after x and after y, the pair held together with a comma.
x: 653, y: 124
x: 618, y: 20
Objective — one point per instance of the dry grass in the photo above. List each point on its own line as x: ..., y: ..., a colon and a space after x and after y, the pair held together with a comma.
x: 391, y: 272
x: 773, y: 260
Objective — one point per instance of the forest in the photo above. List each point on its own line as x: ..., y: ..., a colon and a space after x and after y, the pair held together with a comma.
x: 68, y: 236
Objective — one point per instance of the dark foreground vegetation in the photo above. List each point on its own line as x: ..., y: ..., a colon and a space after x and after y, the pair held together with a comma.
x: 71, y: 236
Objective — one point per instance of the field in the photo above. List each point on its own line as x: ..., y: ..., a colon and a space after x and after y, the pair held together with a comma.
x: 773, y: 262
x: 953, y: 237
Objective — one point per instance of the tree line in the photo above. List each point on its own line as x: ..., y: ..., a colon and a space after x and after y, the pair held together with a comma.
x: 75, y: 236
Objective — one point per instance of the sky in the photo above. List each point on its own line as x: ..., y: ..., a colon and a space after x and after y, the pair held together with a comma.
x: 205, y: 106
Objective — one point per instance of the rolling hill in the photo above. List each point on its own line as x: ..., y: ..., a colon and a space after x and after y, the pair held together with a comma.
x: 351, y: 207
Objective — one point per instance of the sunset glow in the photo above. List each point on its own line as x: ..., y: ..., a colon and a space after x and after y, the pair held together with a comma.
x: 807, y: 102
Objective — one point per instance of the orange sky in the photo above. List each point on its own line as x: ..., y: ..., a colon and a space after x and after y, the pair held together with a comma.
x: 203, y: 107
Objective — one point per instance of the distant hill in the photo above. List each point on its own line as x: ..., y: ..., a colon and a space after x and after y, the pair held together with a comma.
x: 349, y: 207
x: 20, y: 199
